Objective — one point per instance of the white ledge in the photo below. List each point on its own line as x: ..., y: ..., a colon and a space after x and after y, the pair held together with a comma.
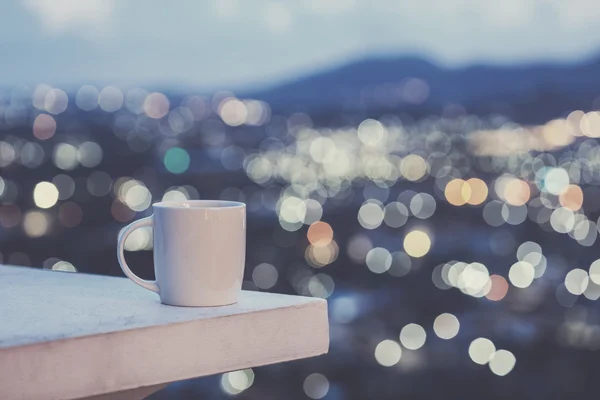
x: 70, y: 335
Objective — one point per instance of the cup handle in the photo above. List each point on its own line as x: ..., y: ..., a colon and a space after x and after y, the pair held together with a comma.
x: 140, y: 223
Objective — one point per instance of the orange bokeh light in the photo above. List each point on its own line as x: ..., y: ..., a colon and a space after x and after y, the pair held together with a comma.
x: 571, y: 198
x: 457, y: 192
x: 516, y: 192
x: 479, y: 191
x: 320, y: 234
x: 499, y: 288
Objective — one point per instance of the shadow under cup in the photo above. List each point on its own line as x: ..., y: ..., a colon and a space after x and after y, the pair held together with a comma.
x: 199, y: 251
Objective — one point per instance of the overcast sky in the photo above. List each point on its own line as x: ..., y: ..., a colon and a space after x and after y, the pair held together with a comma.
x: 237, y: 43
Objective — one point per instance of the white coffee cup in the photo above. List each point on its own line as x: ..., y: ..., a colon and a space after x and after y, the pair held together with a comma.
x: 199, y: 251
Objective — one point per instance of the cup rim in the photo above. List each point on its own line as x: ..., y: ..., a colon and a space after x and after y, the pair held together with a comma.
x: 200, y: 204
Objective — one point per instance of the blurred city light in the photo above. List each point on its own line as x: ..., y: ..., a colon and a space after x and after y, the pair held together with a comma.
x: 438, y: 227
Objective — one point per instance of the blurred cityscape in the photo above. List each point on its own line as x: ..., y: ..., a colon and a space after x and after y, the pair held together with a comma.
x: 448, y: 214
x: 452, y: 247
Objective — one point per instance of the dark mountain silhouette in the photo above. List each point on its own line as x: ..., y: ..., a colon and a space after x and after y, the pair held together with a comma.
x: 529, y: 92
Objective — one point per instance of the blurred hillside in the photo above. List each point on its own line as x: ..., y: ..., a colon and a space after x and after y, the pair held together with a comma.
x: 525, y: 93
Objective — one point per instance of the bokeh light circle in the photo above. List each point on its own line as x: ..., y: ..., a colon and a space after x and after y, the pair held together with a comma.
x: 481, y: 350
x: 177, y: 160
x: 413, y: 336
x: 45, y: 194
x: 388, y: 353
x: 446, y: 326
x: 417, y: 243
x: 502, y: 362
